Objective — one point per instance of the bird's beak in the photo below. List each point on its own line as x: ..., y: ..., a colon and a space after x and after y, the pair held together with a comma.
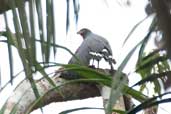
x: 79, y: 32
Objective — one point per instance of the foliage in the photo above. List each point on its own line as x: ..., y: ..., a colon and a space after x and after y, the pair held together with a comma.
x: 153, y: 67
x: 25, y: 41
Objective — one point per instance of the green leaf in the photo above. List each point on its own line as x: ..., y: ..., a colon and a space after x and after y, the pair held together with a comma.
x: 150, y: 62
x: 139, y: 96
x: 3, y: 87
x: 2, y: 110
x: 142, y: 87
x: 41, y: 27
x: 76, y: 10
x: 118, y: 82
x: 88, y: 108
x: 152, y: 77
x: 67, y: 15
x: 133, y: 29
x: 9, y: 37
x: 24, y: 24
x: 32, y: 29
x: 14, y: 109
x: 89, y: 73
x: 53, y: 28
x: 39, y: 68
x: 151, y: 54
x: 146, y: 39
x: 77, y: 109
x: 49, y: 28
x: 150, y: 102
x: 157, y: 87
x: 17, y: 29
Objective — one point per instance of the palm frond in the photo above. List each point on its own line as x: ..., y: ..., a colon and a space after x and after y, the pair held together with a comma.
x: 119, y: 82
x: 67, y: 15
x: 77, y: 109
x: 9, y: 48
x: 150, y: 102
x: 133, y: 29
x: 76, y: 10
x: 41, y: 28
x: 146, y: 39
x: 32, y: 29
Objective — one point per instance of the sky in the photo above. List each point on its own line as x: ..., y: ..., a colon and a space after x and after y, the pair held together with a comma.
x: 111, y: 19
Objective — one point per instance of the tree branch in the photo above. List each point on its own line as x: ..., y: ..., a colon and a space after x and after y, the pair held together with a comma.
x: 24, y: 96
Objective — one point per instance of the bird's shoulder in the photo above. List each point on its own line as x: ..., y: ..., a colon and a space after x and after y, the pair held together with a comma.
x: 93, y: 36
x: 101, y: 39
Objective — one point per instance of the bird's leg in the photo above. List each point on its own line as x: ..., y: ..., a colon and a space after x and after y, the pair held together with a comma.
x: 111, y: 62
x: 98, y: 64
x: 111, y: 68
x: 93, y: 58
x: 93, y: 62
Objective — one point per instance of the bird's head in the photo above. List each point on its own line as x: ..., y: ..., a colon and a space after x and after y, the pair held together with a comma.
x: 84, y: 32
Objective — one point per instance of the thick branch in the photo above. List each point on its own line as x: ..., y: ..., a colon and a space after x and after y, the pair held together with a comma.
x: 24, y: 96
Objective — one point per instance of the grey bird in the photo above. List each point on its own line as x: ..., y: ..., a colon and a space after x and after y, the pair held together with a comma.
x: 91, y: 43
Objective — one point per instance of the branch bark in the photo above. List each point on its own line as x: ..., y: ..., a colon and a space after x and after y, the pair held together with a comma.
x: 24, y: 99
x: 24, y: 96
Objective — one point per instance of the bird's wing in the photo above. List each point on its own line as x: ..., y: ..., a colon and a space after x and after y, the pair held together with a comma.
x: 82, y: 54
x: 94, y: 44
x: 99, y: 43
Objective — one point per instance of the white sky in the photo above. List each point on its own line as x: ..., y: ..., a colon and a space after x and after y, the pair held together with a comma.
x: 112, y: 21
